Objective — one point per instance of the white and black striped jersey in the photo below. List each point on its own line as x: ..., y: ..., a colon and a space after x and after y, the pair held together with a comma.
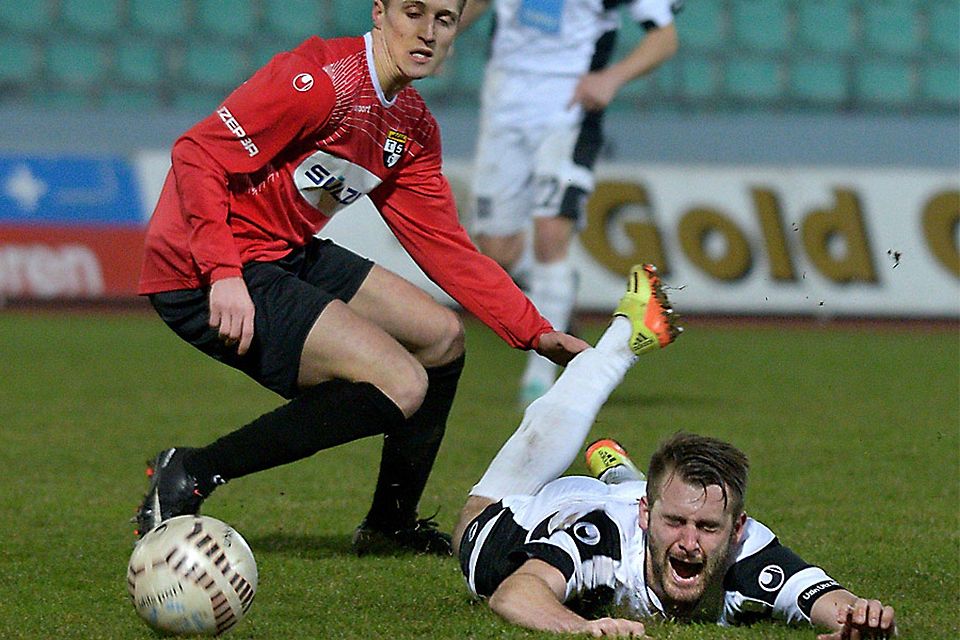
x: 563, y: 36
x: 590, y: 532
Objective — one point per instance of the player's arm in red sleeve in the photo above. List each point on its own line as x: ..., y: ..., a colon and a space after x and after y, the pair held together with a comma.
x: 259, y: 119
x: 419, y: 207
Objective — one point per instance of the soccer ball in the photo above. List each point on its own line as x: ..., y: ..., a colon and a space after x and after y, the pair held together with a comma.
x: 192, y: 575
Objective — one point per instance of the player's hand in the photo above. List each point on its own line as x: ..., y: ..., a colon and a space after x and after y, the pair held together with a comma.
x: 614, y: 628
x: 560, y: 347
x: 595, y: 91
x: 863, y: 619
x: 231, y: 312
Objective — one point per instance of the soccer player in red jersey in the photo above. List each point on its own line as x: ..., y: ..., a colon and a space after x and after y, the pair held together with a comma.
x: 234, y: 267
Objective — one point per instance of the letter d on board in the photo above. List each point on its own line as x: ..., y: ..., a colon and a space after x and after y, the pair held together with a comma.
x: 821, y: 229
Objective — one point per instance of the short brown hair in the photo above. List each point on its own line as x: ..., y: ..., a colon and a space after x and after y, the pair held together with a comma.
x: 700, y: 460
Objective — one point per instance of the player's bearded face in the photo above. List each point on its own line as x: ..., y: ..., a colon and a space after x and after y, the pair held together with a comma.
x: 689, y: 538
x: 417, y: 34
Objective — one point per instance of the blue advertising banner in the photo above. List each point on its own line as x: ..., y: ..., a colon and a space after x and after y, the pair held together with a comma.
x: 68, y: 190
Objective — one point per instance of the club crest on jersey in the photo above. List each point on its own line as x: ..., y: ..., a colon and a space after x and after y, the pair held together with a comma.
x: 393, y: 148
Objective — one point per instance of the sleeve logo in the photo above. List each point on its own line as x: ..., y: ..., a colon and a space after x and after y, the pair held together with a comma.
x: 771, y: 578
x: 233, y: 125
x: 587, y: 533
x: 393, y: 148
x: 303, y: 82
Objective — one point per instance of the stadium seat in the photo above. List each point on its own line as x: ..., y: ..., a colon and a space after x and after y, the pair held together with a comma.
x: 469, y: 67
x: 18, y: 61
x: 753, y: 79
x: 76, y: 62
x: 92, y: 17
x: 295, y: 19
x: 160, y: 17
x: 198, y: 103
x: 351, y: 18
x: 130, y: 100
x: 819, y: 81
x: 944, y: 26
x: 699, y: 78
x: 891, y: 27
x: 826, y: 26
x: 62, y: 99
x: 885, y: 83
x: 702, y: 24
x: 761, y: 25
x: 34, y: 16
x: 940, y: 84
x: 138, y: 62
x: 215, y: 66
x: 232, y: 19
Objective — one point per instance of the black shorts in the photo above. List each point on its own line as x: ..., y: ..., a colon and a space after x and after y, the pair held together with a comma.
x: 288, y: 295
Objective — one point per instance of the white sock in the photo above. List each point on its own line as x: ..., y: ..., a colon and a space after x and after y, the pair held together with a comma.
x: 553, y: 292
x: 555, y: 426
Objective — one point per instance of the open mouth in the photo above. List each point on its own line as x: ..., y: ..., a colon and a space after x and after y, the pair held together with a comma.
x: 421, y: 55
x: 686, y: 571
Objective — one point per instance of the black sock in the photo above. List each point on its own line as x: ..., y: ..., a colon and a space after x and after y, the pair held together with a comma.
x: 326, y: 415
x: 409, y: 451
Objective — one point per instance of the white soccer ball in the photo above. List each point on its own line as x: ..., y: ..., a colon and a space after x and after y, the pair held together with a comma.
x: 192, y: 575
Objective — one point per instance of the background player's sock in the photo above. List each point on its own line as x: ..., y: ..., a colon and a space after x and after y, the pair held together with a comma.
x: 553, y: 292
x: 326, y: 415
x: 409, y: 451
x: 554, y: 427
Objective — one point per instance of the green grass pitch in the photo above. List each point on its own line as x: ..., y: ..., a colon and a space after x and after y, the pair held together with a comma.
x: 853, y: 434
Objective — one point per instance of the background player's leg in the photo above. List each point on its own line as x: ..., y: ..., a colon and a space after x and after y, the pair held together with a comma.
x: 552, y: 289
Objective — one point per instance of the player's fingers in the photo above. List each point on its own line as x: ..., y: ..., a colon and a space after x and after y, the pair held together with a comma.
x: 214, y: 321
x: 860, y: 608
x: 246, y: 335
x: 873, y: 613
x: 887, y: 620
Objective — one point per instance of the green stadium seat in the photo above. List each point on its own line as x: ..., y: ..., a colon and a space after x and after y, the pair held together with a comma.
x: 889, y: 83
x: 891, y: 27
x: 470, y: 64
x: 440, y: 88
x: 940, y: 84
x: 227, y: 18
x: 130, y: 100
x: 139, y: 62
x: 826, y: 26
x: 753, y: 79
x: 351, y: 18
x: 944, y: 26
x: 699, y: 78
x: 761, y: 25
x: 295, y: 19
x: 63, y: 99
x: 198, y: 103
x: 819, y: 81
x: 160, y: 17
x: 33, y: 16
x: 76, y: 62
x: 93, y: 17
x: 702, y: 24
x: 19, y: 60
x: 215, y: 66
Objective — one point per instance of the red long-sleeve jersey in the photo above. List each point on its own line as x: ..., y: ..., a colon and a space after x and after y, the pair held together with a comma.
x: 308, y: 134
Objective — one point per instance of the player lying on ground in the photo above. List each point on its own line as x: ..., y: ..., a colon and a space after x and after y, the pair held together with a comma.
x: 676, y: 545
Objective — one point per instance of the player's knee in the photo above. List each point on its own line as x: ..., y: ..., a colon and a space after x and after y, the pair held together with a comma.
x: 408, y: 388
x: 449, y: 340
